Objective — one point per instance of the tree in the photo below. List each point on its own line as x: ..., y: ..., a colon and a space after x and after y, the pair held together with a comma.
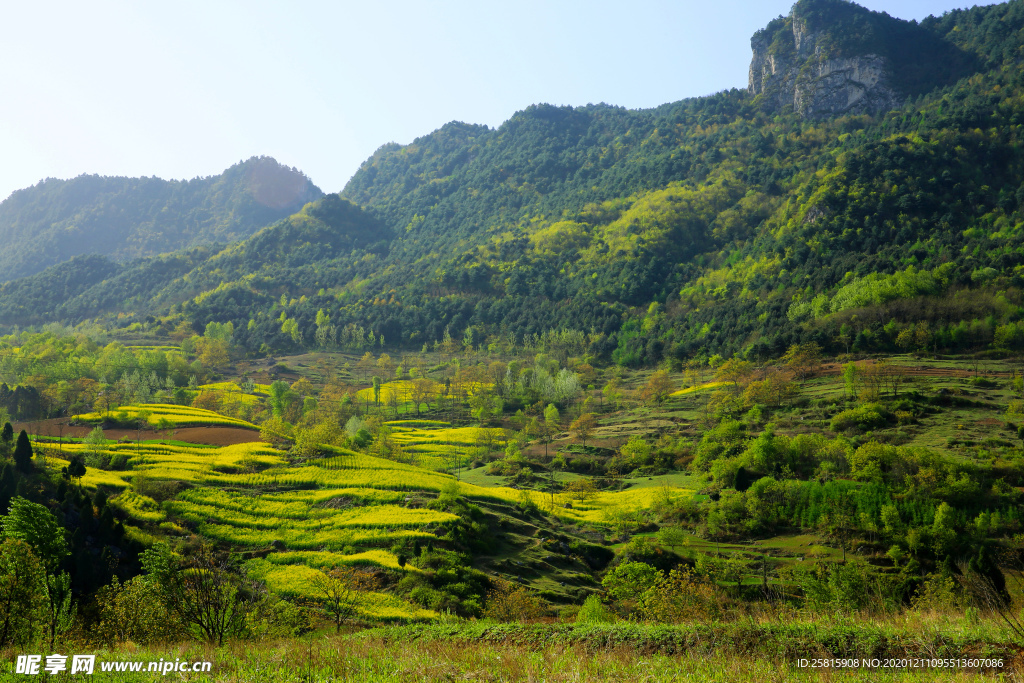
x: 658, y: 387
x: 376, y: 390
x: 551, y: 418
x: 280, y: 396
x: 76, y: 468
x: 34, y: 524
x: 734, y: 371
x: 850, y: 380
x: 422, y: 389
x: 310, y: 439
x: 583, y: 426
x: 509, y: 602
x: 135, y: 611
x: 628, y: 581
x: 335, y: 593
x: 22, y: 592
x: 7, y: 438
x: 207, y: 593
x: 803, y: 360
x: 366, y: 363
x: 672, y: 536
x: 60, y: 612
x: 276, y: 431
x: 612, y: 393
x: 38, y: 528
x: 635, y: 453
x: 944, y: 534
x: 212, y: 352
x: 23, y: 453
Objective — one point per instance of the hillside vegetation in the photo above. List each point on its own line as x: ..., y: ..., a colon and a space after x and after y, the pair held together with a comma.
x: 127, y: 218
x: 711, y: 224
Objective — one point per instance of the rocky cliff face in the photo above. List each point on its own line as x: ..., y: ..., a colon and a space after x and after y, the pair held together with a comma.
x: 794, y: 65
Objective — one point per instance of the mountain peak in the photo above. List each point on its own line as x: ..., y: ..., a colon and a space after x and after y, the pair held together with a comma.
x: 834, y: 57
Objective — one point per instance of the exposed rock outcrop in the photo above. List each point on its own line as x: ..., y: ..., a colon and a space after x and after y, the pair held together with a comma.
x: 794, y: 65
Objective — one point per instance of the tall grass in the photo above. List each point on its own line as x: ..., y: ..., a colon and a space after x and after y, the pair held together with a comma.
x: 373, y: 658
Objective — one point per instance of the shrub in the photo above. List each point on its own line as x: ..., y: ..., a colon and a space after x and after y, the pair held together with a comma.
x: 593, y: 611
x: 509, y: 602
x: 863, y: 418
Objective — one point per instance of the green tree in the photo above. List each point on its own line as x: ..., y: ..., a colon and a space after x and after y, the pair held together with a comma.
x: 551, y: 419
x: 628, y: 581
x: 376, y: 390
x: 23, y: 453
x: 59, y: 610
x: 850, y: 380
x: 34, y: 524
x: 76, y: 468
x: 204, y: 590
x: 134, y: 611
x: 510, y: 602
x: 280, y: 396
x: 7, y: 438
x: 672, y: 536
x: 22, y: 593
x: 635, y: 453
x: 944, y: 530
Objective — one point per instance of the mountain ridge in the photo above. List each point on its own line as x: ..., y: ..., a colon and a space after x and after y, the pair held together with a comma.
x: 126, y: 218
x: 714, y: 225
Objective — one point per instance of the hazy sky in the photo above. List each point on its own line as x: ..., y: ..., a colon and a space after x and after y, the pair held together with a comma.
x: 184, y: 89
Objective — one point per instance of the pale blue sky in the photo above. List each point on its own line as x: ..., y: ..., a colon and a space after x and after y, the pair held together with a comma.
x: 186, y: 88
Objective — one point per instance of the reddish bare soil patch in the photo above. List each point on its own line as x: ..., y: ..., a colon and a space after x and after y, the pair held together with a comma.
x: 52, y: 427
x: 213, y: 436
x: 216, y: 436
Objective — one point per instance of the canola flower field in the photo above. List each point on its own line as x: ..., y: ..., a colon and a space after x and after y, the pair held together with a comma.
x: 297, y: 580
x: 436, y: 445
x: 310, y: 516
x: 402, y: 392
x: 158, y: 414
x: 700, y: 387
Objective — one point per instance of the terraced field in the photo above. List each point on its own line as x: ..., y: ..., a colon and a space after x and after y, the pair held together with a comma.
x: 159, y: 414
x: 403, y: 392
x: 346, y: 509
x: 437, y: 446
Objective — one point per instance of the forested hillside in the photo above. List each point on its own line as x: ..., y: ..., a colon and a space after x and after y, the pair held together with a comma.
x: 126, y: 218
x: 719, y: 225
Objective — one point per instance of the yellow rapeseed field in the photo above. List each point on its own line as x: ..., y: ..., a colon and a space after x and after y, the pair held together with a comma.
x: 174, y: 415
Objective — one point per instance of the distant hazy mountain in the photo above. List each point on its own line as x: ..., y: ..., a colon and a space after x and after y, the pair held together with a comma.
x: 125, y: 218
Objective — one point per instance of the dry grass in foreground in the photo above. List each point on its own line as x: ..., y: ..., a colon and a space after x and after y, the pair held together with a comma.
x: 375, y: 660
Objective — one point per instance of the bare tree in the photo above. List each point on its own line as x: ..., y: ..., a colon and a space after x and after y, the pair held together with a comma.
x: 336, y: 592
x: 989, y: 597
x: 210, y: 594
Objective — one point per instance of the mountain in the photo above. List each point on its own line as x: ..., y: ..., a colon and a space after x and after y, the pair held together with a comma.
x: 127, y: 218
x: 739, y: 223
x: 832, y: 57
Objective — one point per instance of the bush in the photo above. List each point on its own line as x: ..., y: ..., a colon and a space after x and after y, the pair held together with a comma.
x: 594, y: 612
x: 510, y: 602
x: 863, y: 418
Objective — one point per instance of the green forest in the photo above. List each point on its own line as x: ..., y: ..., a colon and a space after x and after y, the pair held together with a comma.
x: 696, y: 392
